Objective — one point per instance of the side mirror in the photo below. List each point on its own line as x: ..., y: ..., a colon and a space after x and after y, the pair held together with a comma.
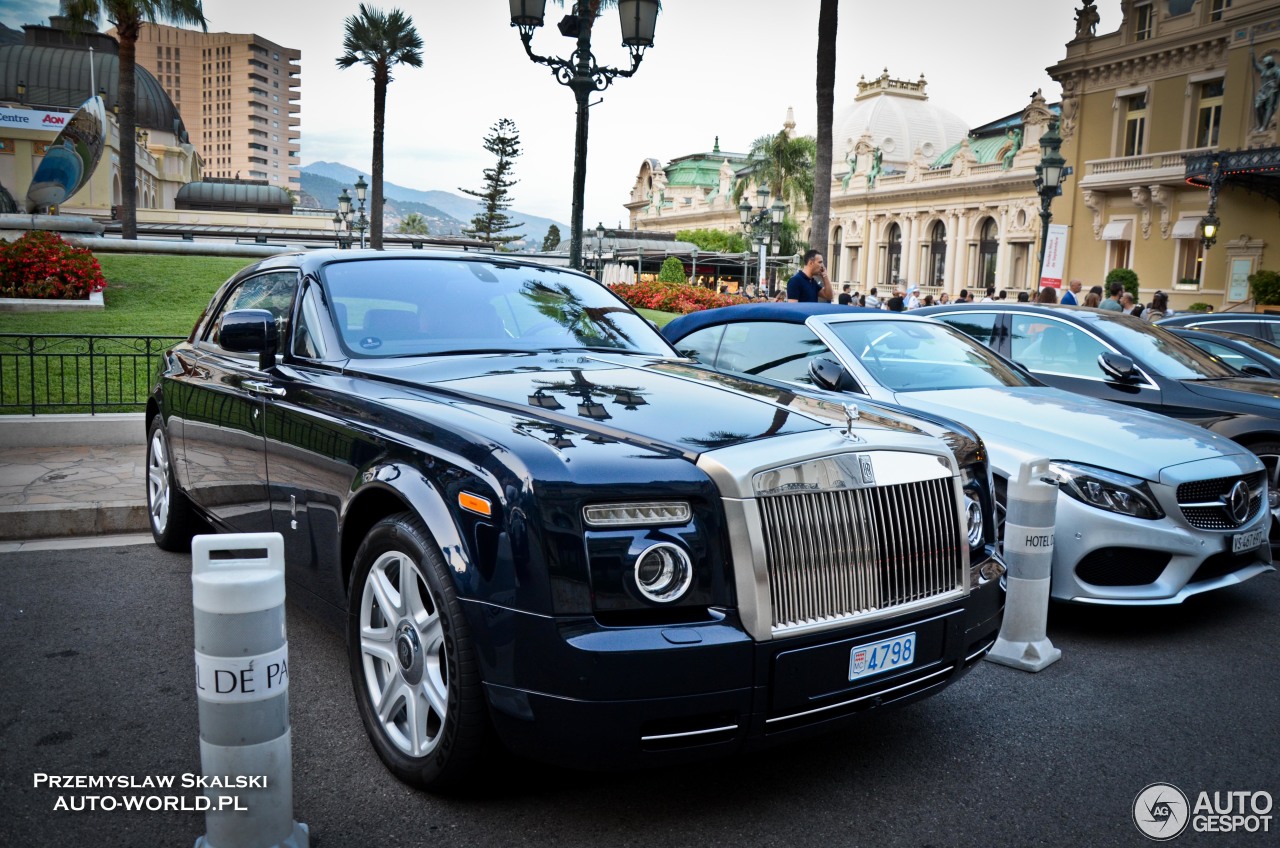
x: 250, y: 331
x: 1255, y: 370
x: 1117, y: 367
x: 832, y: 376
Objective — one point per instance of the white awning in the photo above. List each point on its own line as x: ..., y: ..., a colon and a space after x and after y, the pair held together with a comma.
x: 1118, y: 231
x: 1186, y: 228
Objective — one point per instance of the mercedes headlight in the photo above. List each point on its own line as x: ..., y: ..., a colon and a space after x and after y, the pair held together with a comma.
x: 1107, y: 490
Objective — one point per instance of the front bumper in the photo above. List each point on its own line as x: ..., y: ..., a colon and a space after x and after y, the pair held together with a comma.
x: 1103, y: 557
x: 626, y: 697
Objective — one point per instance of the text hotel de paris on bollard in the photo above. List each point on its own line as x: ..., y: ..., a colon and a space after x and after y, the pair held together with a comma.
x: 242, y: 684
x: 1028, y: 553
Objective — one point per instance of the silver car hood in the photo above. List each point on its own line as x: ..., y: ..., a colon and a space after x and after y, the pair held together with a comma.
x: 1042, y: 422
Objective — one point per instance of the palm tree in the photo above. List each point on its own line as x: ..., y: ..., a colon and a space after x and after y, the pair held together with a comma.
x: 820, y: 216
x: 128, y: 17
x: 379, y: 39
x: 414, y: 224
x: 784, y: 163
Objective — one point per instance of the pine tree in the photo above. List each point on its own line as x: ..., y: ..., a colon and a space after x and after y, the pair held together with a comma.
x: 491, y: 222
x: 552, y: 241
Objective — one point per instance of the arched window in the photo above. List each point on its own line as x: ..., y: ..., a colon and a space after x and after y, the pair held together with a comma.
x: 937, y: 253
x: 833, y: 255
x: 988, y: 245
x: 893, y: 264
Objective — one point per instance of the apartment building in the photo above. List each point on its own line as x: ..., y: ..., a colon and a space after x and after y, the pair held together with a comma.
x: 1165, y: 125
x: 239, y: 98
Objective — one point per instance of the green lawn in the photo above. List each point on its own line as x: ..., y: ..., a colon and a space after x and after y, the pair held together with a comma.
x: 659, y: 318
x: 145, y: 296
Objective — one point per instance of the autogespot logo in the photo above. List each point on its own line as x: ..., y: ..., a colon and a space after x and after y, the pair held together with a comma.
x: 1160, y: 811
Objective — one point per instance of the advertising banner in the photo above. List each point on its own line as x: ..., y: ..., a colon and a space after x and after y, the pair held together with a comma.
x: 1055, y: 254
x: 33, y: 119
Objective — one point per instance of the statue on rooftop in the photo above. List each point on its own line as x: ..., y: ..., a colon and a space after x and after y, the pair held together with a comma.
x: 853, y: 167
x: 1010, y: 148
x: 1087, y: 20
x: 877, y: 158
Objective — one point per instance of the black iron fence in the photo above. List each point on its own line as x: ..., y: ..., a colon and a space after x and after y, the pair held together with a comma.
x: 65, y: 373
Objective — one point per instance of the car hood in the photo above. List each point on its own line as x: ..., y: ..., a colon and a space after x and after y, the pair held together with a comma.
x: 1018, y: 423
x: 660, y: 403
x: 1255, y: 391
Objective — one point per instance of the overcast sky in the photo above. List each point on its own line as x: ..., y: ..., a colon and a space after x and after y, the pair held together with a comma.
x: 719, y: 67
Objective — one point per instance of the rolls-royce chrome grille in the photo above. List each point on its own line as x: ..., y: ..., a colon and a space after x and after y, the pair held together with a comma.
x: 841, y: 554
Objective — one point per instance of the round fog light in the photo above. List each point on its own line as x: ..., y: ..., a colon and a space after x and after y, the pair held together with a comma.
x: 663, y: 573
x: 973, y: 520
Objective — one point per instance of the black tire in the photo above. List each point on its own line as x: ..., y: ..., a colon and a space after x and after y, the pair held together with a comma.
x: 173, y: 520
x: 1269, y: 453
x: 414, y: 654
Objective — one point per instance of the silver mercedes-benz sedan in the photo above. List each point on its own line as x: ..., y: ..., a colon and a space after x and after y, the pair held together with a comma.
x: 1150, y: 510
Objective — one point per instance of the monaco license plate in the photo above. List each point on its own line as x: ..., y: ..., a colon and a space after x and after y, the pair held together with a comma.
x: 882, y: 656
x: 1242, y: 542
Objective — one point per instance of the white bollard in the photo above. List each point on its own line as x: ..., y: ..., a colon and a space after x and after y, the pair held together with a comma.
x: 1028, y: 553
x: 242, y: 685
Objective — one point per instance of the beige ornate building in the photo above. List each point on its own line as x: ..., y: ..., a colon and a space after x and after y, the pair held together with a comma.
x: 916, y: 196
x: 1147, y: 110
x: 238, y: 95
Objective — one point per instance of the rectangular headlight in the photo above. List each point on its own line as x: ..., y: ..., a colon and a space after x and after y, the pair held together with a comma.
x: 637, y: 514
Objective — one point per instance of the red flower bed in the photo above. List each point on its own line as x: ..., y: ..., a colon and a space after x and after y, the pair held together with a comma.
x: 673, y: 297
x: 42, y: 265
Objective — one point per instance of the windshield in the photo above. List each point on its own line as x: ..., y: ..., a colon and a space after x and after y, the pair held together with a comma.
x: 914, y: 356
x: 428, y: 306
x: 1157, y: 349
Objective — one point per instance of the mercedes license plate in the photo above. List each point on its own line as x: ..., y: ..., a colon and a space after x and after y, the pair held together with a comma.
x: 1242, y: 542
x: 882, y: 656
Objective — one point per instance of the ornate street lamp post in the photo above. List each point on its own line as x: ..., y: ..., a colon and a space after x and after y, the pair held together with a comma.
x: 362, y: 222
x: 581, y: 74
x: 1209, y: 223
x: 1050, y: 173
x: 599, y: 250
x: 693, y: 268
x: 763, y: 226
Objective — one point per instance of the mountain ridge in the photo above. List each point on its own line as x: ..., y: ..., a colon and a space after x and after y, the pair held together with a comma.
x: 445, y: 206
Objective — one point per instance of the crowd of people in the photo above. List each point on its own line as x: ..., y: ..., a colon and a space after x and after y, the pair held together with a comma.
x: 811, y: 285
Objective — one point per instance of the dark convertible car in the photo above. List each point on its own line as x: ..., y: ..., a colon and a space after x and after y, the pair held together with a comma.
x: 534, y: 520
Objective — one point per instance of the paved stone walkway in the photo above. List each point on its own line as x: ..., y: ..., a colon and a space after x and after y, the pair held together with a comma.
x: 50, y: 492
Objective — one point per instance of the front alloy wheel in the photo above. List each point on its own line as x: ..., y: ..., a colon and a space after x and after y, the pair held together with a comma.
x: 411, y: 657
x: 403, y: 659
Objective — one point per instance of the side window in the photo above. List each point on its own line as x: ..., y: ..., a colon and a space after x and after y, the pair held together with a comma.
x: 1052, y: 347
x: 1248, y: 328
x: 978, y: 325
x: 272, y: 291
x: 702, y: 345
x: 1228, y: 355
x: 308, y: 341
x: 775, y: 351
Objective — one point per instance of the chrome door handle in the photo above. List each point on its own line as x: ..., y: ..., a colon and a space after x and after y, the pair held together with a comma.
x: 263, y: 388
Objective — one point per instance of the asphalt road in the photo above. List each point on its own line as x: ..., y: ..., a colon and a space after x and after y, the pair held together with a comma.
x: 96, y: 678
